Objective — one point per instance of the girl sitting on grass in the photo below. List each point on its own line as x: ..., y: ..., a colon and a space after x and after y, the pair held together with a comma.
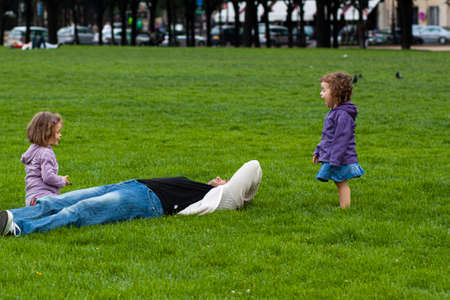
x: 336, y: 150
x: 41, y: 167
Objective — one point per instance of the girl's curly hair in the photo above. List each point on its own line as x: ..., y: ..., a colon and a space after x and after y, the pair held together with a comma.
x: 340, y: 85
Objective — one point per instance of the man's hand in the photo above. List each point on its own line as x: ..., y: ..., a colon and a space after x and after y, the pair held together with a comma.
x: 315, y: 159
x: 217, y: 181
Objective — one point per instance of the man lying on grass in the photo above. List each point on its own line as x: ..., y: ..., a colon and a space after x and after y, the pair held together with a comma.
x: 141, y: 198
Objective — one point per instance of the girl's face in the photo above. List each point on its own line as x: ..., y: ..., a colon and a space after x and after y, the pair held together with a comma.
x: 54, y: 140
x: 326, y: 95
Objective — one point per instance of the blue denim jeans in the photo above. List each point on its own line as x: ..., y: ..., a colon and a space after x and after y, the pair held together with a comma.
x: 104, y: 204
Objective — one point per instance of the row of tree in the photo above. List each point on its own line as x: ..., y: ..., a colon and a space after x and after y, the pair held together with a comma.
x: 327, y: 20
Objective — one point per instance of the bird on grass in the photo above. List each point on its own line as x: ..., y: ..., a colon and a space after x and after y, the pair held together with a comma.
x: 398, y: 75
x: 355, y: 79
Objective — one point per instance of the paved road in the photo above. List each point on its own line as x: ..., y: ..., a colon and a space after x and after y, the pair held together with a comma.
x: 417, y: 47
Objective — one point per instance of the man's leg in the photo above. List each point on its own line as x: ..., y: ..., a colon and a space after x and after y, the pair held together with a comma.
x: 242, y: 186
x: 52, y: 204
x: 126, y: 201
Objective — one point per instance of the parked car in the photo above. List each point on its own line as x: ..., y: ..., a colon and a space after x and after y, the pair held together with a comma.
x: 66, y: 35
x: 432, y: 34
x: 309, y: 32
x: 375, y: 38
x: 107, y: 37
x: 17, y: 34
x: 279, y: 35
x: 180, y: 40
x: 142, y: 38
x: 348, y: 35
x: 416, y: 29
x: 224, y: 35
x: 397, y: 37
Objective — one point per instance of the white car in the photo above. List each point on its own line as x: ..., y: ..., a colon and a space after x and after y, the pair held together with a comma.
x: 181, y: 40
x: 432, y: 34
x: 66, y: 35
x: 279, y: 35
x: 142, y: 38
x: 17, y: 34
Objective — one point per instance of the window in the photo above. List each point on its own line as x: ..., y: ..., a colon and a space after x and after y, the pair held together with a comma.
x: 433, y: 15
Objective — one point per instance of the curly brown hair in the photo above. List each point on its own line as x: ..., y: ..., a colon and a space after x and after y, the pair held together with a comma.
x: 42, y: 127
x: 340, y: 85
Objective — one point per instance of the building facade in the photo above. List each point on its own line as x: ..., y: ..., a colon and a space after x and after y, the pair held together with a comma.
x: 425, y: 12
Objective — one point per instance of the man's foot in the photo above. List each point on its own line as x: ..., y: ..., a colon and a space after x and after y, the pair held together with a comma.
x: 7, y: 225
x: 5, y: 222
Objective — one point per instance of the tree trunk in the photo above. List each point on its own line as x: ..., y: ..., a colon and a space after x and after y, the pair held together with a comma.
x: 208, y: 14
x: 361, y: 26
x: 188, y: 21
x: 193, y: 7
x: 134, y: 7
x: 84, y: 17
x: 112, y: 4
x: 28, y: 19
x: 301, y: 39
x: 334, y: 11
x: 52, y: 20
x: 289, y: 10
x: 75, y: 21
x: 237, y: 24
x: 266, y: 23
x: 79, y: 15
x: 100, y: 8
x: 248, y: 24
x: 322, y: 24
x: 406, y: 8
x: 67, y: 12
x: 151, y: 6
x: 209, y: 7
x: 170, y: 22
x: 256, y: 25
x: 2, y: 23
x: 123, y: 4
x: 153, y: 15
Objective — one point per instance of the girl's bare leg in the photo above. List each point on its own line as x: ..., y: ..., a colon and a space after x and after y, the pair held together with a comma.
x: 344, y: 193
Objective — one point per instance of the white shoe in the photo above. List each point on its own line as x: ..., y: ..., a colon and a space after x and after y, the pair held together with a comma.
x: 11, y: 228
x: 5, y: 222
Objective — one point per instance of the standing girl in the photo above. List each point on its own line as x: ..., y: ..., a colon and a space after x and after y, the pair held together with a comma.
x: 41, y: 167
x: 336, y: 151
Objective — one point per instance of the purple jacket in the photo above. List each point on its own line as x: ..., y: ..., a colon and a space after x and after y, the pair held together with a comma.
x: 337, y: 146
x: 41, y: 170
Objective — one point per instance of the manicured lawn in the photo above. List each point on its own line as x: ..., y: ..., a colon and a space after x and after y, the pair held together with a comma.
x: 153, y: 112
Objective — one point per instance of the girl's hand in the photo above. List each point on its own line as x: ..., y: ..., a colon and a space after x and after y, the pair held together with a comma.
x: 66, y: 179
x: 315, y: 159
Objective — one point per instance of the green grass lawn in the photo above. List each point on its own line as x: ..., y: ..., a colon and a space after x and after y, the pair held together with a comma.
x: 152, y: 112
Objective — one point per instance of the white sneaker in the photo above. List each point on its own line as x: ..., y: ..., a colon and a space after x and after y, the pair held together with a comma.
x: 5, y: 222
x: 10, y: 227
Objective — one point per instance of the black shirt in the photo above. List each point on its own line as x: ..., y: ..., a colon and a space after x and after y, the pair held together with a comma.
x: 176, y: 193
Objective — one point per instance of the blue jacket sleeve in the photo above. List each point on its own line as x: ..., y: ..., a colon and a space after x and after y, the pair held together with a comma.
x: 342, y: 137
